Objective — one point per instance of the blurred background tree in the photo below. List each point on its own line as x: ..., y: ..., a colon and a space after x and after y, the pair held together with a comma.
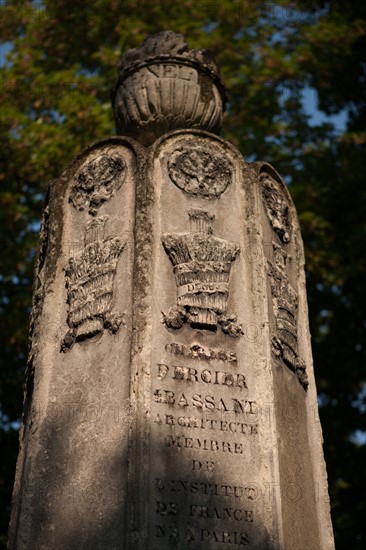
x: 295, y: 74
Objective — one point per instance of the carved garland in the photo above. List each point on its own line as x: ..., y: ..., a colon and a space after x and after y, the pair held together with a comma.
x: 284, y: 341
x: 90, y: 274
x: 276, y: 207
x: 200, y: 170
x: 285, y: 306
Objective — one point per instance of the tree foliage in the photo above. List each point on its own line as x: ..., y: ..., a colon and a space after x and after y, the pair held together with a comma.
x: 55, y: 87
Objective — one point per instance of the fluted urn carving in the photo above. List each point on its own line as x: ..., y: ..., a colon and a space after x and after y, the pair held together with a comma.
x: 164, y: 86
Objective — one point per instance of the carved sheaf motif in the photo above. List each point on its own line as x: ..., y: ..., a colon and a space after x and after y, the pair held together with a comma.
x: 202, y: 265
x: 89, y: 282
x: 97, y: 181
x: 200, y: 170
x: 285, y: 305
x: 276, y: 207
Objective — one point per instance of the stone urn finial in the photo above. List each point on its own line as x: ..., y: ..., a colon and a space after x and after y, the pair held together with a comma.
x: 164, y: 86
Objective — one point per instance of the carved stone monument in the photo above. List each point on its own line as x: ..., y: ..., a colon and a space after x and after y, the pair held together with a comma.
x: 170, y: 399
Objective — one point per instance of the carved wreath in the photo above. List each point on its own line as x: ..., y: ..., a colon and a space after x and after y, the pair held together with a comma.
x: 97, y: 181
x: 199, y: 171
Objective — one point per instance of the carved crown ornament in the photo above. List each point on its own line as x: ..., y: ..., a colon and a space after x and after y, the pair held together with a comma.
x: 164, y: 86
x: 202, y: 265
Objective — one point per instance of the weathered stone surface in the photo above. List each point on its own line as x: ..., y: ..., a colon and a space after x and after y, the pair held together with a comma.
x: 226, y: 428
x: 171, y: 401
x: 70, y: 490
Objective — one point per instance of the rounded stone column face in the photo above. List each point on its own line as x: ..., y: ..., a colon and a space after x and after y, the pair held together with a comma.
x: 164, y: 86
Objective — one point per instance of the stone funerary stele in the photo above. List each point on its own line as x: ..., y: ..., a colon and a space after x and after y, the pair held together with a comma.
x: 170, y: 400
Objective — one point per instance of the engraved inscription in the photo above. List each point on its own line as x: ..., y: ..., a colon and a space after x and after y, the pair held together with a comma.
x: 89, y: 283
x: 192, y: 534
x: 285, y: 305
x: 196, y: 351
x: 206, y: 465
x: 205, y: 402
x: 203, y: 487
x: 204, y: 421
x: 222, y: 520
x: 197, y: 412
x: 210, y: 512
x: 207, y: 376
x: 97, y: 181
x: 201, y: 423
x: 202, y: 265
x: 276, y: 207
x: 195, y: 443
x: 205, y: 425
x: 200, y: 170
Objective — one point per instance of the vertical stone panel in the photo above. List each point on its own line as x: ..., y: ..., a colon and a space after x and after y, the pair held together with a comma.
x: 205, y: 379
x: 223, y: 396
x: 74, y: 444
x: 301, y: 466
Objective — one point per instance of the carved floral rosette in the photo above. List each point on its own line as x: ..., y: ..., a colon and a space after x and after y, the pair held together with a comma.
x: 89, y: 283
